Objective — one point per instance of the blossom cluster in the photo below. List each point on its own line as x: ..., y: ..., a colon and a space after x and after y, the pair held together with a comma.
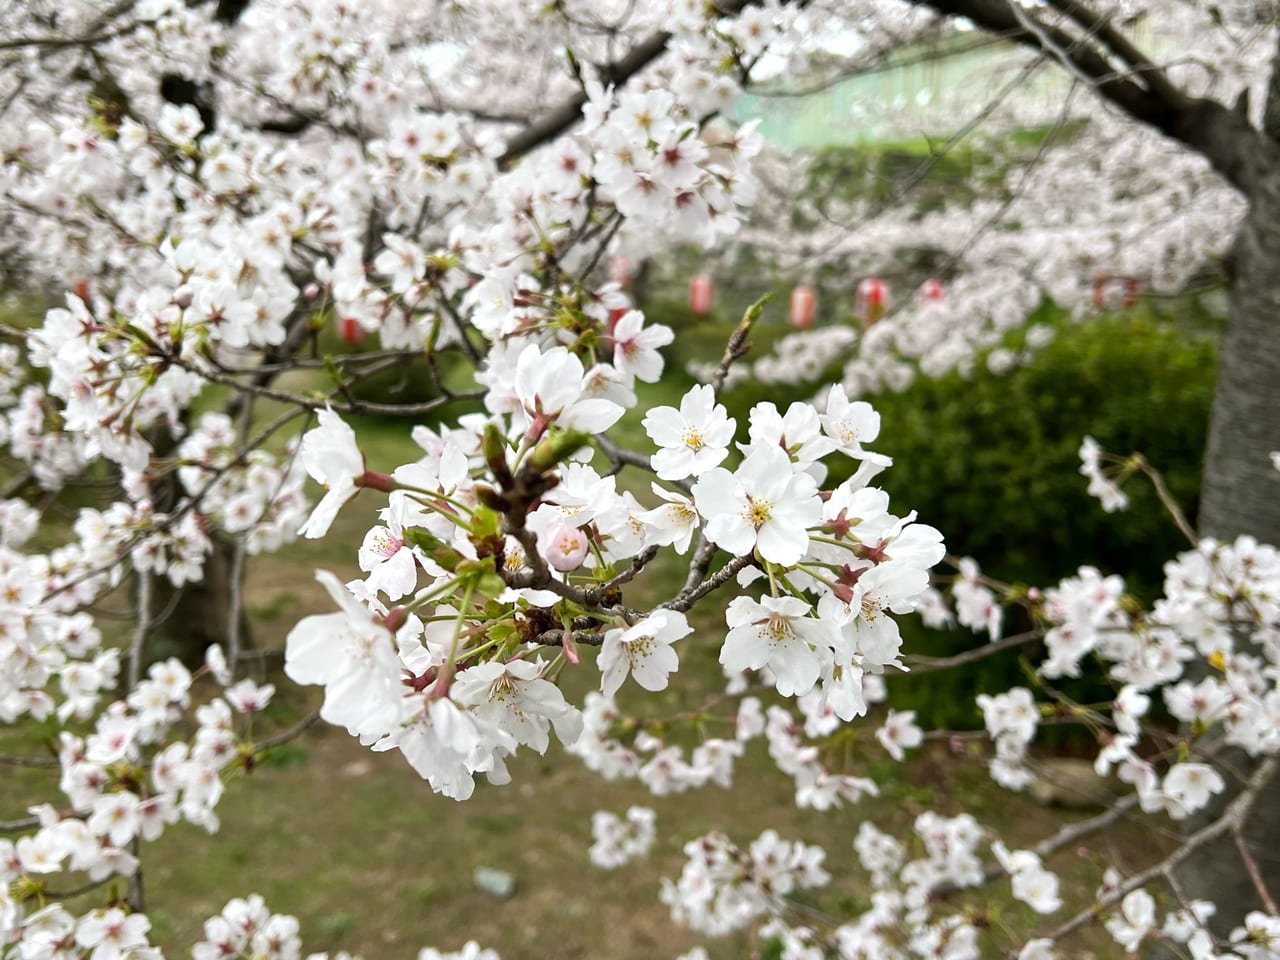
x: 389, y: 170
x: 446, y: 667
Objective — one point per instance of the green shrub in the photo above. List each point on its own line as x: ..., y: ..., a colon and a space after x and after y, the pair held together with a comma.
x: 992, y: 461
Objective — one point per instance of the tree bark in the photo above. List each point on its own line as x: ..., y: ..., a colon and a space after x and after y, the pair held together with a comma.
x: 1240, y: 494
x: 192, y: 617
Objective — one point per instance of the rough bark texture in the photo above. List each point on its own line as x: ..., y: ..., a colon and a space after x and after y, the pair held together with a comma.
x: 1240, y: 494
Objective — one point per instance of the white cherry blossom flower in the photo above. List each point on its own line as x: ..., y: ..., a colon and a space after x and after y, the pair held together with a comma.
x: 1188, y: 787
x: 550, y: 388
x: 332, y: 458
x: 899, y: 733
x: 764, y: 505
x: 694, y: 438
x: 644, y: 651
x: 516, y: 699
x: 353, y: 657
x: 1135, y: 919
x: 671, y: 524
x: 778, y: 633
x: 635, y: 347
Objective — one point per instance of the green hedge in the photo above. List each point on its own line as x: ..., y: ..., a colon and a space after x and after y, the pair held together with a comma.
x: 992, y: 462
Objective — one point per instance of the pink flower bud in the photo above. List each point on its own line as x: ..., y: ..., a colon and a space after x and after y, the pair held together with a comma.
x: 566, y: 547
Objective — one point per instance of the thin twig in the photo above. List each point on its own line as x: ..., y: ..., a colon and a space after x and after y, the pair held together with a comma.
x: 690, y: 595
x: 595, y: 594
x: 11, y: 761
x: 1166, y: 498
x: 1232, y: 819
x: 237, y: 605
x: 921, y: 664
x: 142, y: 629
x: 1251, y: 867
x: 285, y: 736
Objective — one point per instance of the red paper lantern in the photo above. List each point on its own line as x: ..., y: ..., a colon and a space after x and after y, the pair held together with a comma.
x: 872, y: 300
x: 1132, y: 288
x: 350, y: 329
x: 930, y: 291
x: 804, y: 305
x: 1099, y: 289
x: 702, y: 294
x: 1111, y: 290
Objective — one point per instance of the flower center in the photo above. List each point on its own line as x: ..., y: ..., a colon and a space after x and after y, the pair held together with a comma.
x: 758, y: 511
x: 693, y: 439
x: 387, y: 544
x: 639, y: 648
x: 776, y: 628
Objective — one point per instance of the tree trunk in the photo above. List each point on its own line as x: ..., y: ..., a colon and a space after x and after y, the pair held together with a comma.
x: 1240, y: 494
x: 186, y: 620
x: 192, y: 617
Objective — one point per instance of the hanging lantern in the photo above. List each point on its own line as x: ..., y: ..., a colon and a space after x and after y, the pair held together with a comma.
x: 702, y: 294
x: 615, y: 314
x: 350, y: 330
x: 1099, y: 289
x: 930, y: 291
x: 1132, y: 289
x: 872, y: 300
x: 1113, y: 292
x: 620, y: 271
x: 804, y: 304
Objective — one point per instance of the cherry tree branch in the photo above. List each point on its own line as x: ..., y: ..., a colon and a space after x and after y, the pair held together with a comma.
x: 922, y: 664
x: 564, y: 116
x: 292, y: 733
x: 1251, y: 867
x: 1166, y: 498
x: 687, y: 597
x: 1223, y: 136
x: 1233, y: 819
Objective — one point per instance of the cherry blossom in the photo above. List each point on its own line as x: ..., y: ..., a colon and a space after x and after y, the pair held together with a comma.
x: 642, y: 651
x: 693, y: 439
